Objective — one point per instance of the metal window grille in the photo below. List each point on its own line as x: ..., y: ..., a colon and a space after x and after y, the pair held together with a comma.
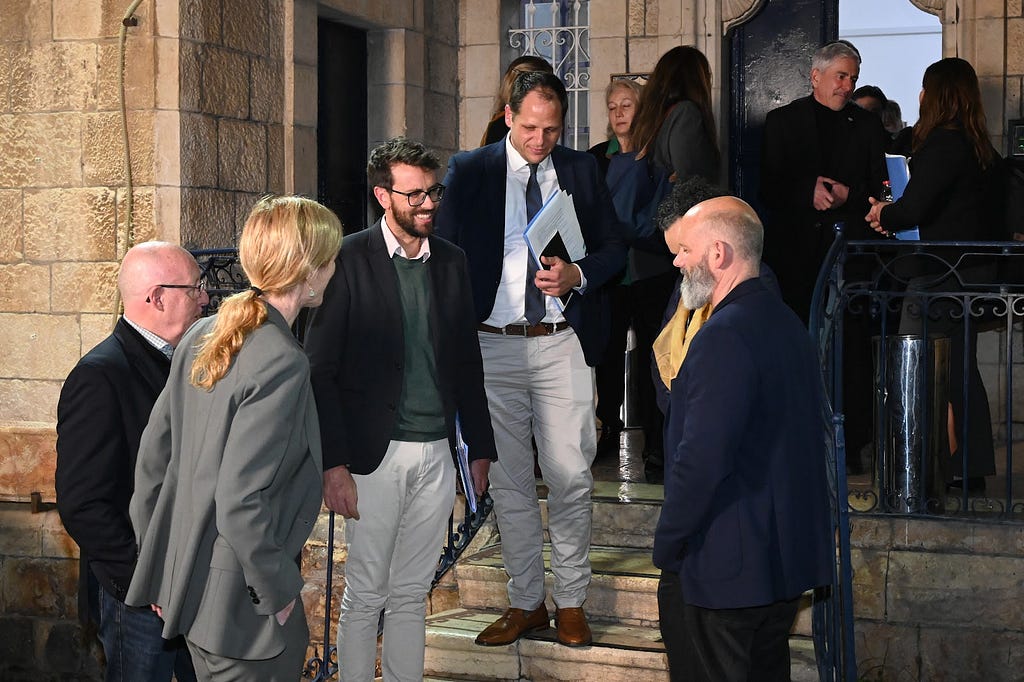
x: 559, y: 31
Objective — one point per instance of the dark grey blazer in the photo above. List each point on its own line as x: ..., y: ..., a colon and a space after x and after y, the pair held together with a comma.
x: 227, y: 488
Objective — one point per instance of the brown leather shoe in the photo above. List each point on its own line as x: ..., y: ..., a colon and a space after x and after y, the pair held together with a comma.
x: 572, y: 627
x: 512, y: 625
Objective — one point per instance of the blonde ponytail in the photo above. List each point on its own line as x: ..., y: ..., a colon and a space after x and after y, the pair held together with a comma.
x: 283, y: 241
x: 236, y: 318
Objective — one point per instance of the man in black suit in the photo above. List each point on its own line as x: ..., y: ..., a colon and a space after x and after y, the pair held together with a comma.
x: 104, y: 406
x: 822, y: 157
x: 394, y: 358
x: 537, y: 353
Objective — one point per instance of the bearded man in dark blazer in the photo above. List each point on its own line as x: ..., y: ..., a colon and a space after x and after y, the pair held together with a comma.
x: 104, y: 406
x: 745, y: 523
x: 538, y: 352
x: 394, y: 358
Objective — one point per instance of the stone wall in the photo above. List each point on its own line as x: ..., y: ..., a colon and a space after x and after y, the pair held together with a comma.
x: 40, y: 638
x: 231, y: 103
x: 937, y: 600
x: 62, y: 203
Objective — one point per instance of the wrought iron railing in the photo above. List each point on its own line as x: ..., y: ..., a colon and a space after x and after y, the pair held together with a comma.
x: 920, y: 306
x: 223, y: 275
x: 559, y: 31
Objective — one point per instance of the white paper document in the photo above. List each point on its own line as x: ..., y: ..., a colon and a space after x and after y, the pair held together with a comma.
x: 462, y: 455
x: 555, y: 231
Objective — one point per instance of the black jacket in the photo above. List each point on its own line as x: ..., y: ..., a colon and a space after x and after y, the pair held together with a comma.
x: 356, y: 353
x: 103, y: 408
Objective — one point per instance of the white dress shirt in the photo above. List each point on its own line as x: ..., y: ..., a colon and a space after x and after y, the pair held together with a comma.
x: 396, y: 249
x: 510, y: 300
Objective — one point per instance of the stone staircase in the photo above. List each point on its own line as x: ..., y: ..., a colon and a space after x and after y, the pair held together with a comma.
x: 621, y: 604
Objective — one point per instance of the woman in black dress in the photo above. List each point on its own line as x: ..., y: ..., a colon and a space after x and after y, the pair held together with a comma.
x: 949, y: 197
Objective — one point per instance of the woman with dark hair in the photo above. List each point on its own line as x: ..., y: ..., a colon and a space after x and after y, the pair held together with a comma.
x: 674, y: 134
x: 228, y: 477
x: 949, y: 197
x: 675, y: 124
x: 496, y: 127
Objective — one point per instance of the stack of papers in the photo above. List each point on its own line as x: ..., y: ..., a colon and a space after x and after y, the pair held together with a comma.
x: 555, y: 231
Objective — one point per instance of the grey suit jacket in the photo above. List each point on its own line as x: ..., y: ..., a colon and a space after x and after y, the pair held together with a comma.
x: 227, y: 487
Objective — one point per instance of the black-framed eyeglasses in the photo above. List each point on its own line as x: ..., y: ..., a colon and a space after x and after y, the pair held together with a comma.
x: 418, y: 196
x: 196, y: 289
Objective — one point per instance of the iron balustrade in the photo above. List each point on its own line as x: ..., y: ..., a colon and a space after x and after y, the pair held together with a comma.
x: 223, y: 275
x: 887, y: 293
x: 567, y: 47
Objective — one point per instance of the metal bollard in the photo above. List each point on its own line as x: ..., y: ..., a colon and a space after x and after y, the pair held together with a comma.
x: 912, y: 393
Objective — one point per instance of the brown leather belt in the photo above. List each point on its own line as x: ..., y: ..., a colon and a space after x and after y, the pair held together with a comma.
x: 539, y: 329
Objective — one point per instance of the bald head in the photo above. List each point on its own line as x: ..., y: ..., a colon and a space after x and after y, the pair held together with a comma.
x: 731, y: 220
x: 146, y: 270
x: 718, y: 245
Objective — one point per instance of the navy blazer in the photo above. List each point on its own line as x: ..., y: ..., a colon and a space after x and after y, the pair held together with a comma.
x: 356, y: 350
x: 746, y: 515
x: 103, y: 408
x: 472, y: 215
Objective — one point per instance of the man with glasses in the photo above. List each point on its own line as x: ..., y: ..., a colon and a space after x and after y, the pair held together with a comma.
x: 103, y: 408
x: 538, y: 354
x: 393, y: 358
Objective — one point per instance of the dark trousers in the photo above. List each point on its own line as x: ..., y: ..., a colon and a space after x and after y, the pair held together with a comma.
x: 135, y: 648
x: 724, y: 645
x: 611, y: 372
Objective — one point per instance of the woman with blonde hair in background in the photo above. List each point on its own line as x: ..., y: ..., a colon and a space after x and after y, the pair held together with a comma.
x: 674, y: 131
x: 622, y: 97
x: 228, y: 478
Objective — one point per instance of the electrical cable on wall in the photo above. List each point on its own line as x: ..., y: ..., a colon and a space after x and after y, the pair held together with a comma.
x: 129, y: 232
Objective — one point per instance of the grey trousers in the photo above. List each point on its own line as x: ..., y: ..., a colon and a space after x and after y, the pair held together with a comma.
x: 393, y: 550
x: 542, y: 386
x: 285, y: 667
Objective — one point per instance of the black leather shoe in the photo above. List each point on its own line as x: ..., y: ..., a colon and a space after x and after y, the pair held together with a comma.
x: 975, y: 484
x: 608, y: 444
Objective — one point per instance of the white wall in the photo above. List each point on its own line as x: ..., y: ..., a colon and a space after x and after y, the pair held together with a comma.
x: 897, y: 42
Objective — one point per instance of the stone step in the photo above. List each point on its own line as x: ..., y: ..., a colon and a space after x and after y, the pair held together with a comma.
x: 624, y: 514
x: 620, y: 653
x: 624, y: 586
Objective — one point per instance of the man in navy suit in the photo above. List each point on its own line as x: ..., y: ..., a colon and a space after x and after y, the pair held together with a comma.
x: 393, y: 357
x: 104, y: 406
x: 745, y: 523
x: 538, y: 355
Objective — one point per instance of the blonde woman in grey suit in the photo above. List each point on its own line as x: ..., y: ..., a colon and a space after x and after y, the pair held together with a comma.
x: 228, y: 479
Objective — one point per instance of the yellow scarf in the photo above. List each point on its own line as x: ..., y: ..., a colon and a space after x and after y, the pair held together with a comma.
x: 674, y: 340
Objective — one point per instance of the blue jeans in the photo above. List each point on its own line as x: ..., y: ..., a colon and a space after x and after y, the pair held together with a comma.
x: 135, y: 648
